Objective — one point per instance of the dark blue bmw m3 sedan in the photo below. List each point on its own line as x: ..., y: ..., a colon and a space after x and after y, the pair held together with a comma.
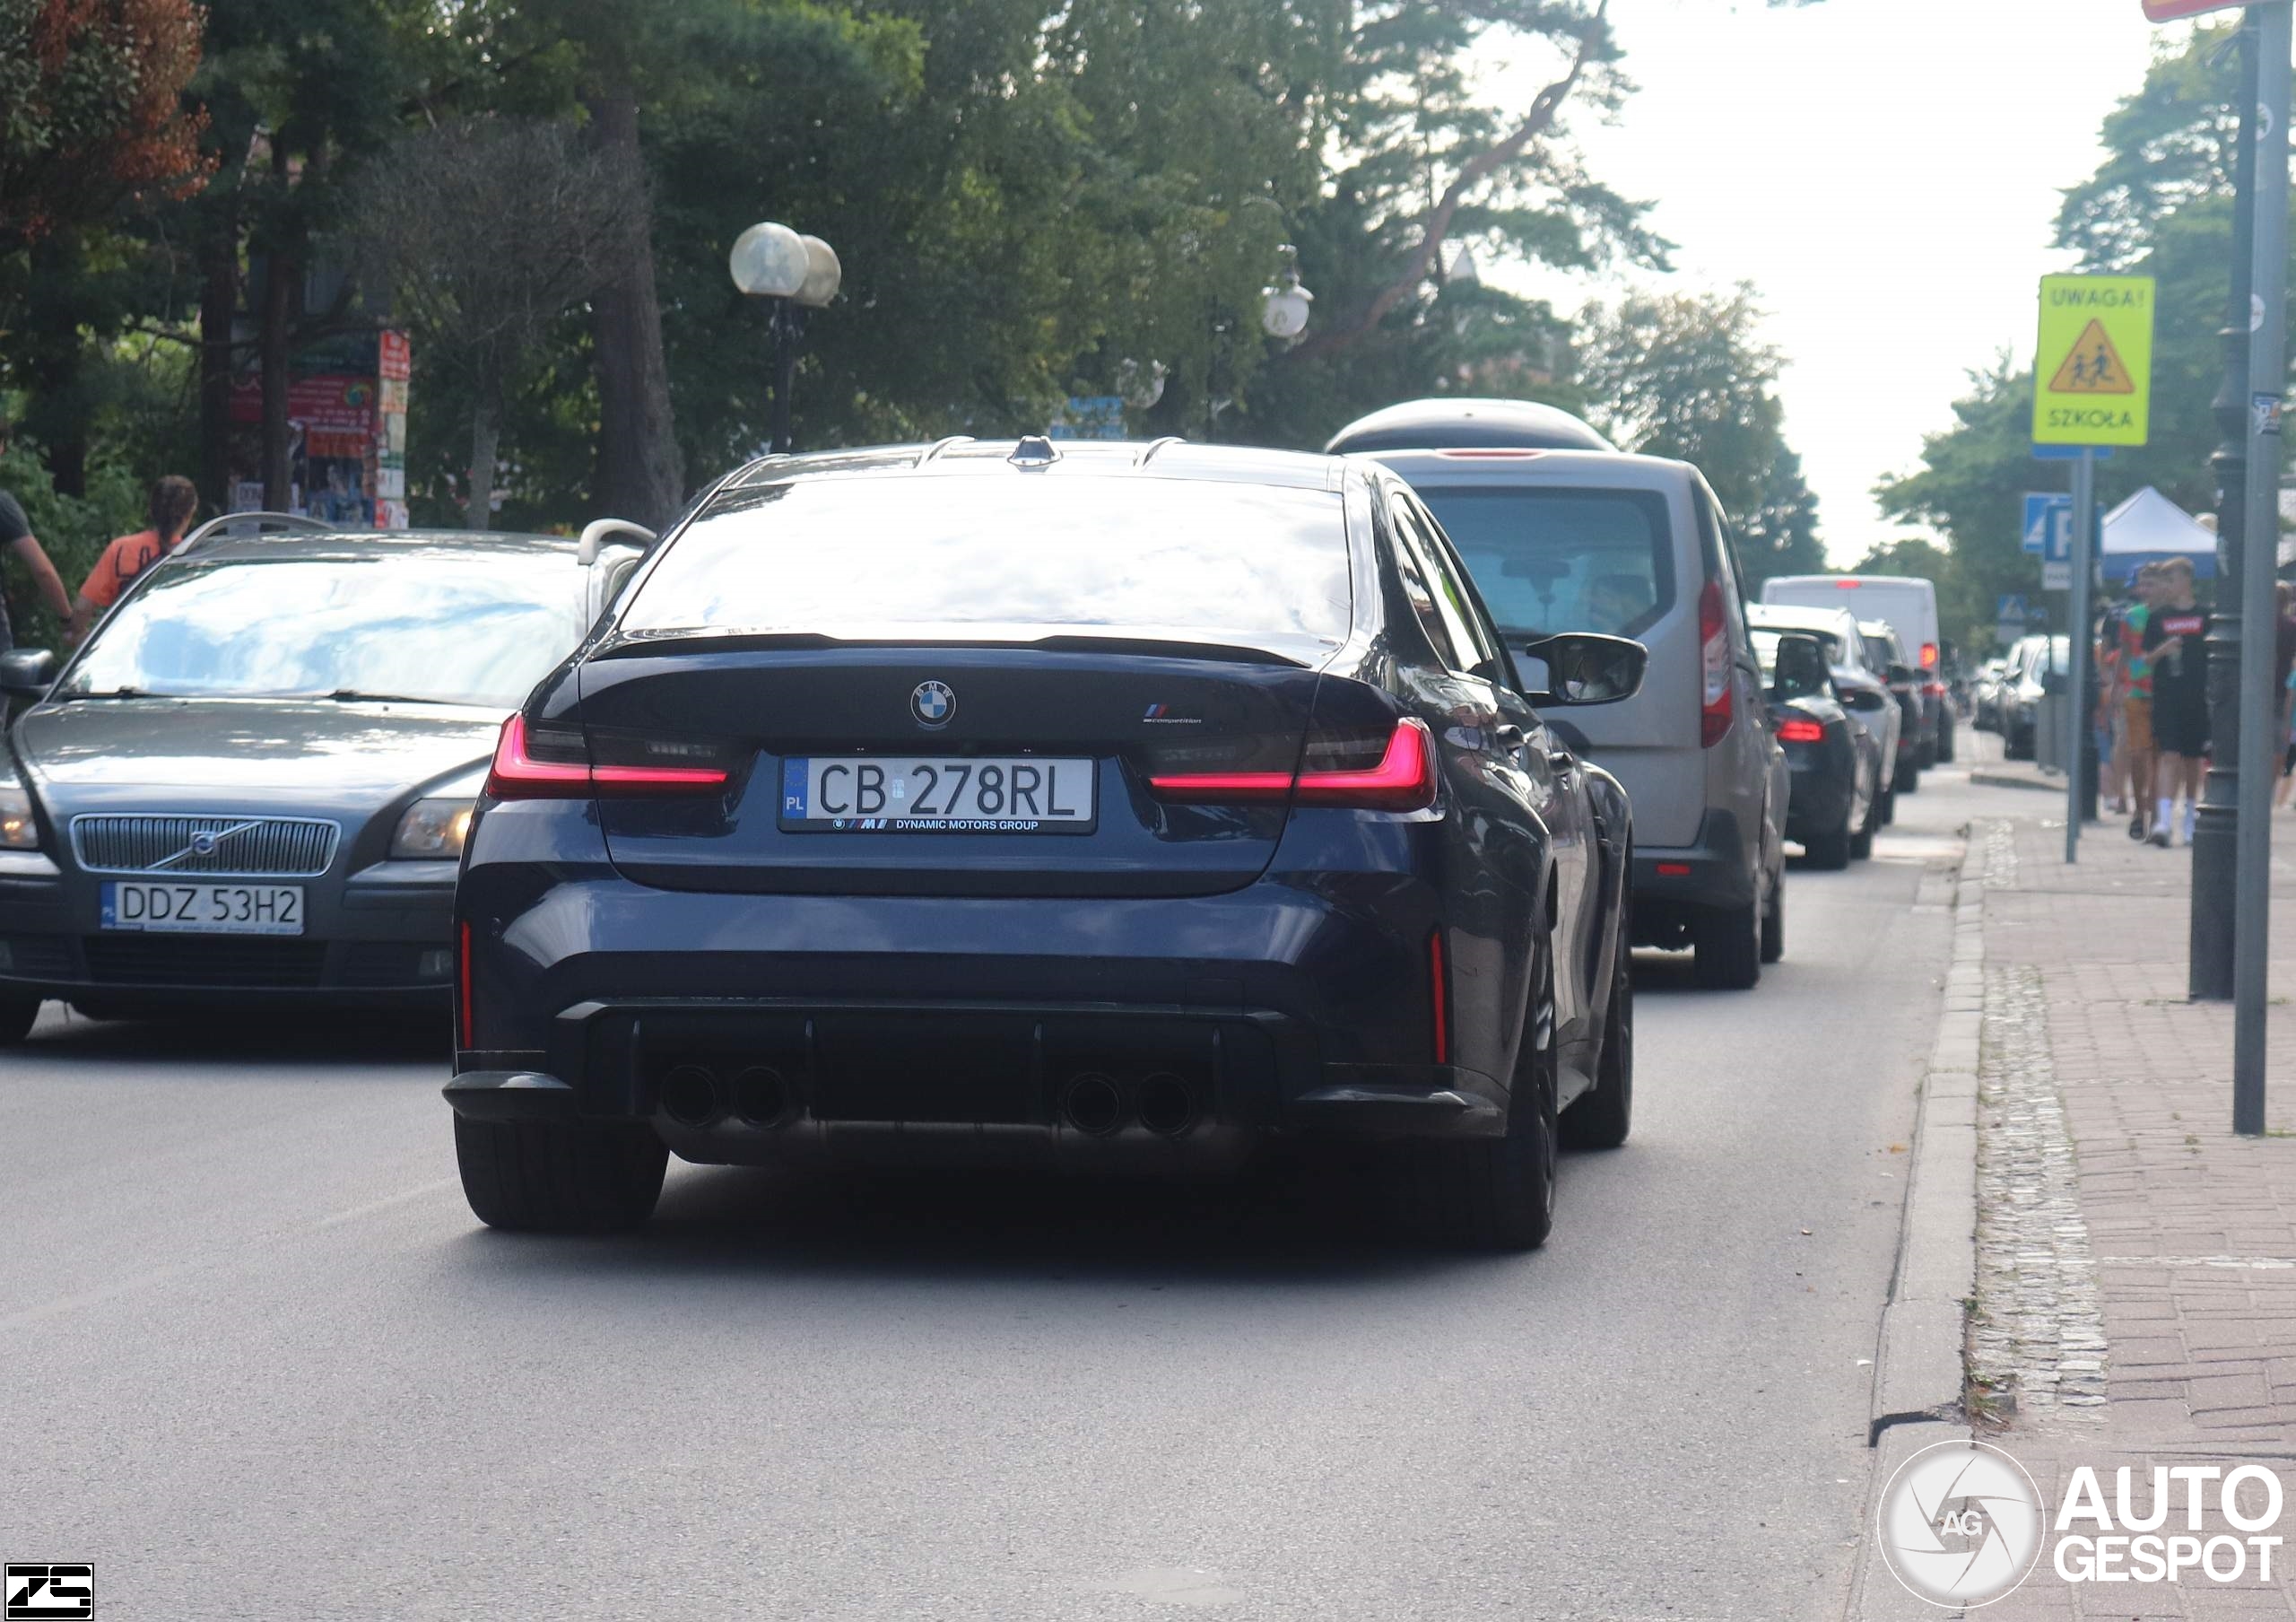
x: 1105, y: 808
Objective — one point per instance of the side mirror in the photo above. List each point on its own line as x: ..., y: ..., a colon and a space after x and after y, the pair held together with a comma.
x: 1801, y: 671
x: 27, y: 673
x: 1581, y: 667
x: 1904, y: 673
x: 1864, y: 699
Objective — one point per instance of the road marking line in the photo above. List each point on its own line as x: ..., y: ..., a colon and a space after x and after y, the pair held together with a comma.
x: 386, y: 1202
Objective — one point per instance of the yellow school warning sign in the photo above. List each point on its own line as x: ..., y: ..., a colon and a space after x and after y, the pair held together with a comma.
x: 2094, y: 371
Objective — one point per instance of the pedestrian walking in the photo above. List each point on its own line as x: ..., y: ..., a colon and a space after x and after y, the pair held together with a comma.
x: 2112, y: 717
x: 2174, y: 630
x: 17, y: 540
x: 2136, y: 700
x: 172, y: 505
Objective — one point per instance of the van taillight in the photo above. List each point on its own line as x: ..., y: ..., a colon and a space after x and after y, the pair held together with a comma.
x: 1401, y: 778
x: 1929, y: 655
x: 1714, y: 694
x: 553, y: 763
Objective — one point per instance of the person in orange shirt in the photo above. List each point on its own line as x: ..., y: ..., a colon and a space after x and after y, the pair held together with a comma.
x: 172, y: 506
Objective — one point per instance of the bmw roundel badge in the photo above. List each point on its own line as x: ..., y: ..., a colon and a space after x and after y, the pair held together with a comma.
x: 933, y: 705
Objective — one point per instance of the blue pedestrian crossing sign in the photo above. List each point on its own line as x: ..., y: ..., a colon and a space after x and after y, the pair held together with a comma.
x: 2010, y: 618
x: 2048, y: 525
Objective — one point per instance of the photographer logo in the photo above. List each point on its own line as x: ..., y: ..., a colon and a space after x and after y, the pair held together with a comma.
x: 1960, y: 1523
x: 40, y: 1592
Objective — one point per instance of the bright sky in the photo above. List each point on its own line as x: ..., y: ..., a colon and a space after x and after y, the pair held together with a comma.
x: 1886, y: 173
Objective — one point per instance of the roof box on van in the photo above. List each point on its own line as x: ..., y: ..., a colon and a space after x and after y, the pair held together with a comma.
x: 1450, y: 424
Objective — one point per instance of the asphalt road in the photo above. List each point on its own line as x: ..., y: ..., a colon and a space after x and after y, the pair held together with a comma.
x: 261, y: 1363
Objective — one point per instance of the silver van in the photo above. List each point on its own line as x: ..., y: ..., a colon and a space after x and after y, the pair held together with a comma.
x: 1568, y: 539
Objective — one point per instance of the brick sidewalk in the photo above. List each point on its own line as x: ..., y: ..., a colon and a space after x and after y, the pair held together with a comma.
x: 2136, y: 1262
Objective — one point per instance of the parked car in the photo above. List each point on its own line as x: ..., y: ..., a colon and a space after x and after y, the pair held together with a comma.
x: 1985, y: 695
x: 1904, y: 683
x: 982, y: 842
x: 1590, y: 540
x: 2039, y: 667
x: 1860, y: 688
x: 250, y: 785
x: 1909, y: 606
x: 1835, y: 765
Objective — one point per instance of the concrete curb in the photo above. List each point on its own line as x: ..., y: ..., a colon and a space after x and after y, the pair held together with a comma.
x: 1918, y: 1367
x: 2017, y: 779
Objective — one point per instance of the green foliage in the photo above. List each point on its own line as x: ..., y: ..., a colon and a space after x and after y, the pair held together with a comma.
x: 1689, y: 376
x: 2159, y: 205
x: 73, y: 530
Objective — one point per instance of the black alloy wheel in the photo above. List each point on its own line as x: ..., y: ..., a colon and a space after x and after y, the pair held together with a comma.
x: 1498, y: 1193
x: 1603, y: 1116
x: 553, y: 1177
x: 18, y: 1013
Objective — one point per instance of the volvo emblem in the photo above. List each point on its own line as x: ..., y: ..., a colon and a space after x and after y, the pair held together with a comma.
x: 933, y: 705
x: 203, y: 844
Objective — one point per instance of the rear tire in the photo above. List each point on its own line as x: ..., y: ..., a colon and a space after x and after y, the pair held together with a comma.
x: 18, y: 1014
x: 1830, y: 850
x: 1498, y: 1193
x: 1888, y: 814
x: 1729, y: 942
x: 1908, y: 779
x: 1944, y: 743
x: 1861, y: 843
x: 1601, y: 1119
x: 553, y: 1177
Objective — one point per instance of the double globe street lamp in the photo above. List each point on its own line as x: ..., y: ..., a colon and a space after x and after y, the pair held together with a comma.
x: 798, y: 274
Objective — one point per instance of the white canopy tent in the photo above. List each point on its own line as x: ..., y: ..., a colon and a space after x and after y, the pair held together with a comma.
x: 2149, y: 526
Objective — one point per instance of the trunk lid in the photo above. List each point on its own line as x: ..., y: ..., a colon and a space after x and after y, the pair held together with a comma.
x: 1129, y: 708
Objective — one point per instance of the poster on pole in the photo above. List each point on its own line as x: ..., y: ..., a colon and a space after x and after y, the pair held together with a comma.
x: 2093, y: 371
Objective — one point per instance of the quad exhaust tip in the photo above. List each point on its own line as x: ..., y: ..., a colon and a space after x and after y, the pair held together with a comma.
x: 762, y: 1096
x: 690, y: 1095
x: 1092, y: 1104
x: 1167, y: 1106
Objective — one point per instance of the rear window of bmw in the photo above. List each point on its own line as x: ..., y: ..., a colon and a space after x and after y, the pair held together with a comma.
x: 1016, y: 557
x: 1555, y: 560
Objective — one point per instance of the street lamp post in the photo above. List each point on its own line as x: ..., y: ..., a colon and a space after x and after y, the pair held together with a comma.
x: 797, y: 275
x: 2215, y: 843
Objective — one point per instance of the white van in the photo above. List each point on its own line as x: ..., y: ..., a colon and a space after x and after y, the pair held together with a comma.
x: 1910, y: 607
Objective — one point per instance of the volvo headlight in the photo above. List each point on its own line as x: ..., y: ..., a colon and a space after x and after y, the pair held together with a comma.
x: 432, y: 830
x: 17, y: 829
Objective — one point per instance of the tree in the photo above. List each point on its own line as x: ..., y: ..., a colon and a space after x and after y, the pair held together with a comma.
x: 484, y: 233
x: 2159, y: 204
x: 1689, y: 376
x: 90, y: 109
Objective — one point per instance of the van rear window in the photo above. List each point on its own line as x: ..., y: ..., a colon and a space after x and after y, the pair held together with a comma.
x: 1560, y: 559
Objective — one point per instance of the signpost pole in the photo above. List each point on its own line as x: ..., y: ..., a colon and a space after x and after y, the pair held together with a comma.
x: 2215, y: 840
x: 2076, y: 639
x: 2267, y: 377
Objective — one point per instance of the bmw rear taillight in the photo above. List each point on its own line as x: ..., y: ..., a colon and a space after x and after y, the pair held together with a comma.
x: 1342, y: 773
x: 1714, y: 693
x: 553, y: 763
x: 1801, y: 732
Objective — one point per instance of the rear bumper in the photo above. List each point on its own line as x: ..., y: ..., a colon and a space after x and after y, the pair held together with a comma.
x: 754, y: 1028
x: 1671, y: 885
x: 1134, y: 1087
